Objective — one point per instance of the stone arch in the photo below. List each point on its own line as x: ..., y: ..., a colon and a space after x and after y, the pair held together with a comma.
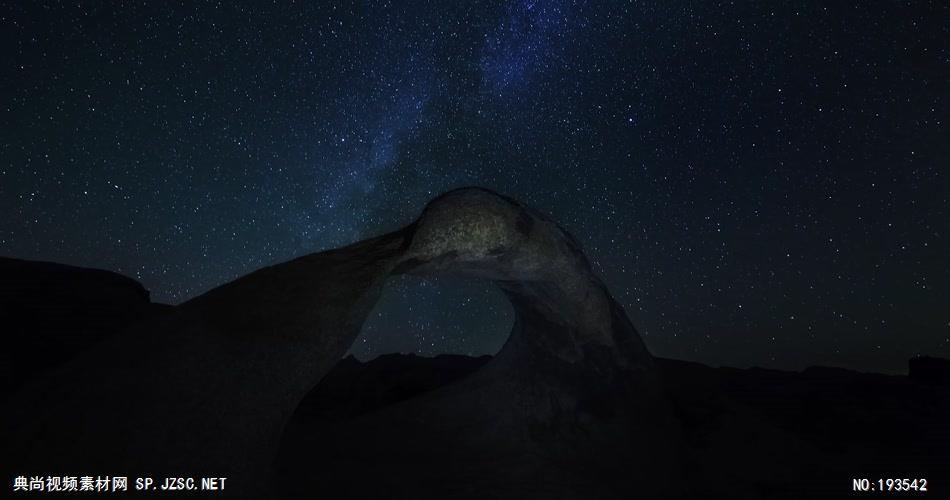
x: 210, y: 387
x: 572, y: 385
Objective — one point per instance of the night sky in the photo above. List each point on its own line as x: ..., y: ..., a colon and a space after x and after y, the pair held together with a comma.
x: 759, y: 183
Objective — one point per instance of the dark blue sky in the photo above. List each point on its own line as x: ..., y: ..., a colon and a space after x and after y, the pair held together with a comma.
x: 759, y: 183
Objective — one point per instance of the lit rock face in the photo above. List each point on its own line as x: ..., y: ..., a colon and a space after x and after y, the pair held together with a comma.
x: 478, y: 233
x: 571, y: 400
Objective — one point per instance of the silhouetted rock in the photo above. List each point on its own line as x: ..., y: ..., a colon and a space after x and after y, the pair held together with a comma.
x: 353, y: 388
x: 930, y: 370
x: 50, y: 313
x: 805, y: 434
x: 751, y: 433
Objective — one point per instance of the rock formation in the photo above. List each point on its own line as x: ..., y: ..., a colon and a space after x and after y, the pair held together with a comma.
x: 52, y: 312
x: 572, y: 407
x: 750, y: 433
x: 572, y: 399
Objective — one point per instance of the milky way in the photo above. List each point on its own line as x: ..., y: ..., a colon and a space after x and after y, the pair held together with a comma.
x: 759, y: 184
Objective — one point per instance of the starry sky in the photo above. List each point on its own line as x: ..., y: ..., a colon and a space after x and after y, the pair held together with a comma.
x: 759, y: 183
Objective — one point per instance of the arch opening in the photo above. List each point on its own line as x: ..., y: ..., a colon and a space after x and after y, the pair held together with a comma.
x: 422, y: 333
x: 430, y: 316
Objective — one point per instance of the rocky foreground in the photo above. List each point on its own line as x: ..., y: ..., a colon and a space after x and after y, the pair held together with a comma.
x: 750, y: 433
x: 247, y: 382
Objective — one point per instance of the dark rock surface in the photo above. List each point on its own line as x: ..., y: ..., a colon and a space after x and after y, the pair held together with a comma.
x: 751, y: 433
x: 51, y: 313
x: 572, y: 402
x: 808, y: 434
x: 353, y: 388
x: 930, y: 370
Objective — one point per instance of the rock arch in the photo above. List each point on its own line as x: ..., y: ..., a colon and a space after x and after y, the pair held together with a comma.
x: 209, y: 388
